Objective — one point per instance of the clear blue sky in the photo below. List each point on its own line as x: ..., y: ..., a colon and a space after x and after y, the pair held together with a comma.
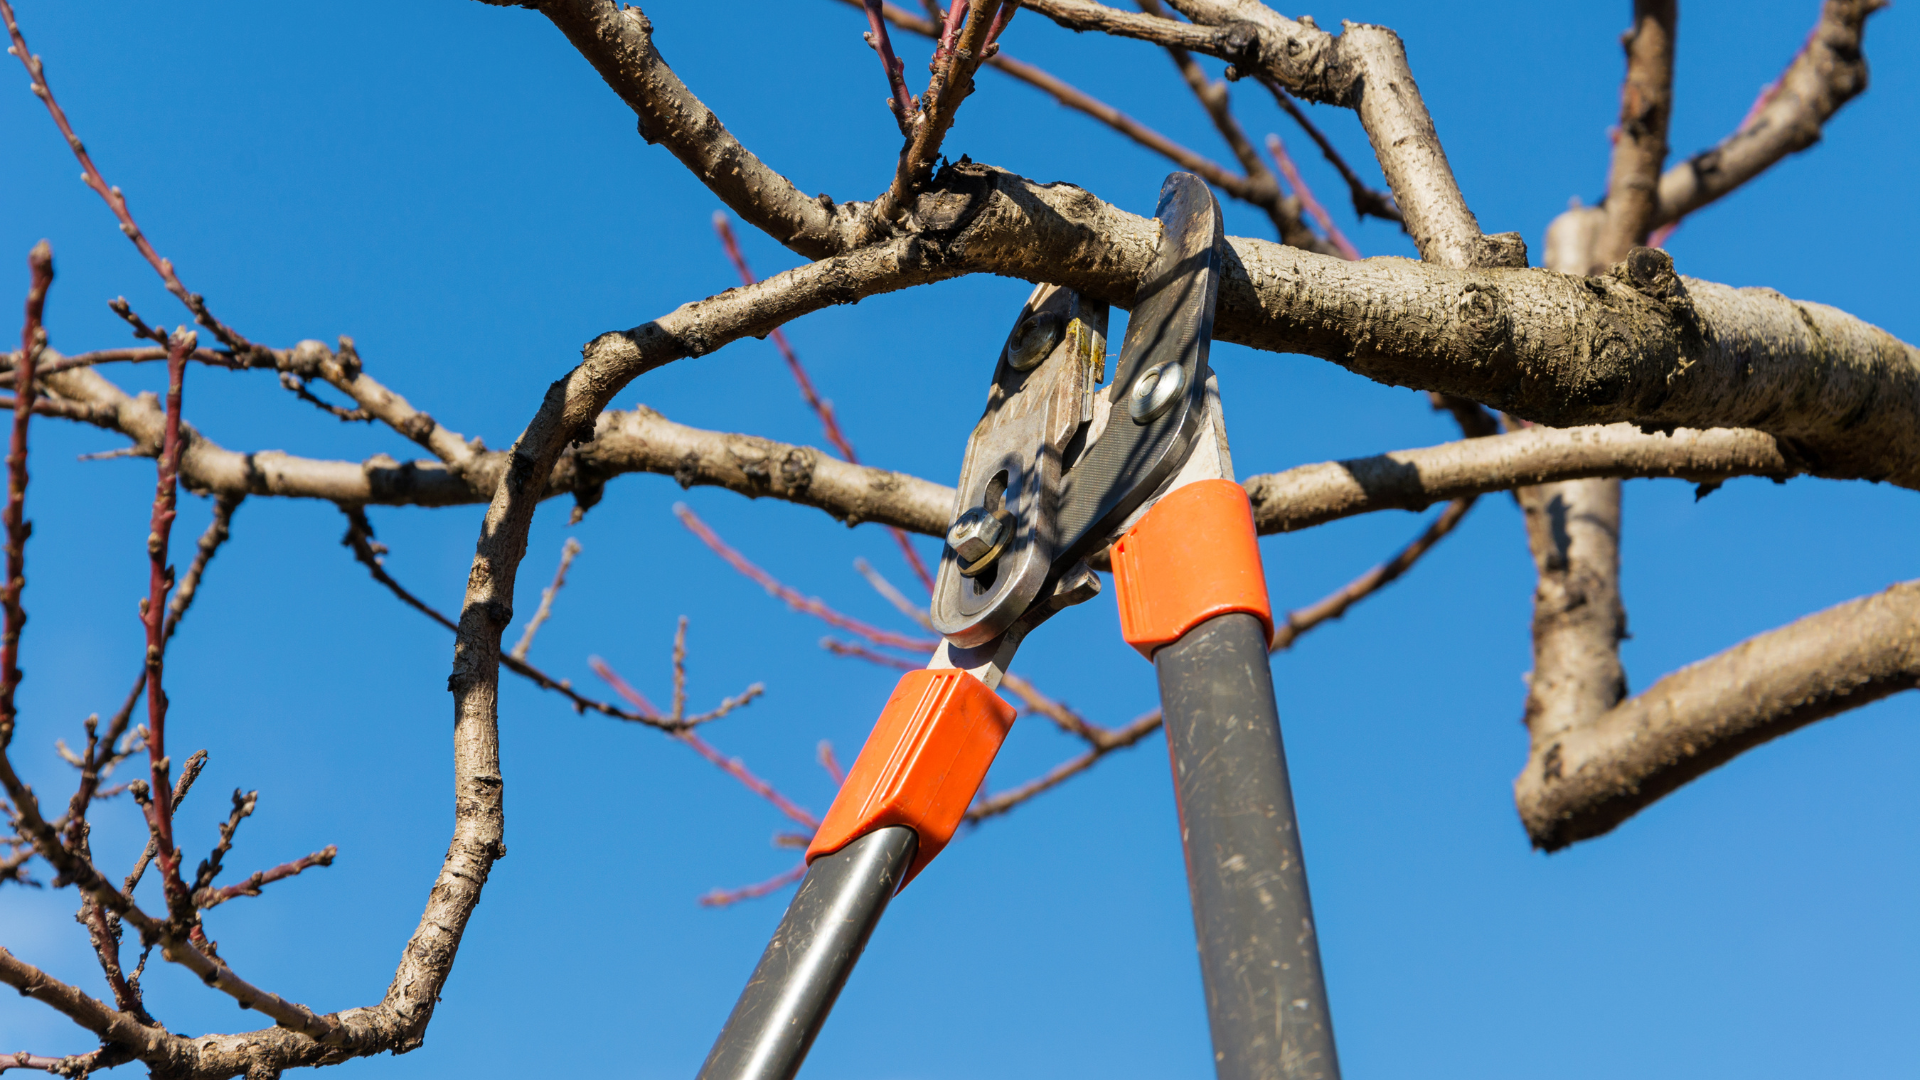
x: 455, y: 188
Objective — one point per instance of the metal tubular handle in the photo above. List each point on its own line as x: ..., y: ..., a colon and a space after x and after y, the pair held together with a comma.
x: 839, y: 903
x: 1266, y: 998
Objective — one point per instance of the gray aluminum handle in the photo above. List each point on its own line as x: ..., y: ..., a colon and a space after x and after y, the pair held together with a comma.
x: 839, y: 903
x: 1259, y: 955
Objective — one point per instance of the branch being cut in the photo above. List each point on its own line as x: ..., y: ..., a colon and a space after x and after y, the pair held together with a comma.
x: 1229, y: 182
x: 952, y: 82
x: 1582, y: 782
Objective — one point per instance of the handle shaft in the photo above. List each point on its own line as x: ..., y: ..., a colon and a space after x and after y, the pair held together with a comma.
x: 1266, y: 999
x: 820, y: 938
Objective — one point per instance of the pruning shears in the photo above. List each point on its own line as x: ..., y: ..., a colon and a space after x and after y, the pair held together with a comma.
x: 1057, y: 471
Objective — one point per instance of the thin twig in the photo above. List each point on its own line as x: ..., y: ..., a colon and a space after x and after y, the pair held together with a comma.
x: 1228, y: 181
x: 723, y: 897
x: 1335, y: 604
x: 540, y: 615
x: 1263, y: 190
x: 1066, y: 770
x: 1366, y: 200
x: 899, y: 99
x: 251, y: 886
x: 32, y: 339
x: 115, y: 200
x: 359, y: 539
x: 810, y: 605
x: 892, y: 595
x: 820, y: 406
x: 153, y: 618
x: 1305, y: 194
x: 861, y: 652
x: 733, y: 767
x: 952, y: 81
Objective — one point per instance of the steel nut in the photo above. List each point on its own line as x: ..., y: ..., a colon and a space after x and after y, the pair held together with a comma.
x: 975, y: 535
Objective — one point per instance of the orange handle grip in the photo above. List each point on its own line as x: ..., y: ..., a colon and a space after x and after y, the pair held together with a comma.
x: 927, y: 756
x: 1193, y: 556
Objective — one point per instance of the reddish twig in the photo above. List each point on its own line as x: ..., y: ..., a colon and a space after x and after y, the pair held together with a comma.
x: 824, y: 754
x: 723, y: 897
x: 1366, y: 200
x: 733, y: 767
x: 793, y: 598
x: 1312, y: 205
x: 821, y: 407
x: 153, y: 617
x: 33, y: 338
x: 251, y: 886
x: 567, y: 553
x: 115, y: 200
x: 899, y: 99
x: 892, y: 595
x: 861, y: 652
x: 1336, y: 603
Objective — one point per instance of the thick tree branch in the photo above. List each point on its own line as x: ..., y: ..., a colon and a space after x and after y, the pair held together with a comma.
x: 1582, y: 782
x: 1310, y: 495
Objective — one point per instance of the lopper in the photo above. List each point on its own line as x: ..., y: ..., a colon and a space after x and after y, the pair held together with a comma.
x: 1058, y: 471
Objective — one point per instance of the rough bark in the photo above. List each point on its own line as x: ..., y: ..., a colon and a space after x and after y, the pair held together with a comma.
x: 1310, y: 495
x: 1589, y: 779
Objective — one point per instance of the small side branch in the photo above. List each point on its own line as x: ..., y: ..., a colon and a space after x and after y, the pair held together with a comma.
x: 1582, y: 782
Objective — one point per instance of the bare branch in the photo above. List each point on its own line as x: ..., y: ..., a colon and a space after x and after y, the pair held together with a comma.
x: 1366, y: 201
x: 567, y: 552
x: 1829, y: 71
x: 1334, y: 605
x: 1640, y: 150
x: 951, y: 83
x: 618, y: 41
x: 1582, y: 782
x: 1415, y: 479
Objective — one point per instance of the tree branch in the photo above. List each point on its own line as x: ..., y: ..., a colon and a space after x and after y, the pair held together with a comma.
x: 618, y: 42
x: 1829, y: 71
x: 1582, y: 782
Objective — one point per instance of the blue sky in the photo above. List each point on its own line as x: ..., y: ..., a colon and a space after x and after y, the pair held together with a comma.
x: 452, y: 186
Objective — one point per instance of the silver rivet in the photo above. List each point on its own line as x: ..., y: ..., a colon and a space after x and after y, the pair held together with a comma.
x: 1155, y: 390
x: 1034, y: 340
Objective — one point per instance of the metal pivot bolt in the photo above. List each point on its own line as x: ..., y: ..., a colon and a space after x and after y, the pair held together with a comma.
x: 978, y: 536
x: 1034, y: 340
x: 1154, y: 390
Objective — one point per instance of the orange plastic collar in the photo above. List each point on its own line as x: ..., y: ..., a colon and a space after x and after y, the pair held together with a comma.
x: 920, y: 768
x: 1193, y: 556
